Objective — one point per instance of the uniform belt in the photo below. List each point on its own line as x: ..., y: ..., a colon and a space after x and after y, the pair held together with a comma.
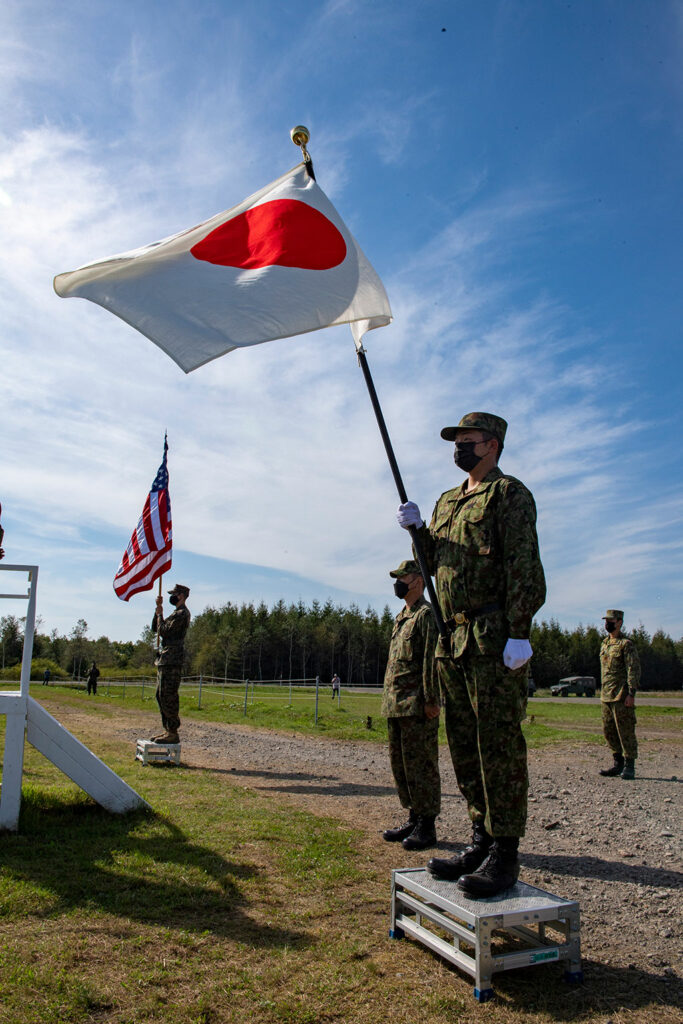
x: 470, y: 614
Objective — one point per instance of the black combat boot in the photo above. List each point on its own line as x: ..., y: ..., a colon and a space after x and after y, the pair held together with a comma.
x: 629, y: 771
x: 616, y: 768
x: 471, y: 857
x: 498, y: 872
x: 395, y: 835
x: 422, y: 836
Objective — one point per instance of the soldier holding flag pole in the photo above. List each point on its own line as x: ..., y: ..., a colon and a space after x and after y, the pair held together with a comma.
x: 280, y: 263
x: 147, y: 557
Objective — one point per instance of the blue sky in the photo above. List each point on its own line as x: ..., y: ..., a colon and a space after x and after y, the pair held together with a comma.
x: 513, y: 172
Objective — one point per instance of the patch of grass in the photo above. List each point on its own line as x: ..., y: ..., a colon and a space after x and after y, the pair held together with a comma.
x: 226, y: 905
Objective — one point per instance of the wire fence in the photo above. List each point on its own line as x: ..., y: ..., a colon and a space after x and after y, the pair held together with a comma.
x: 213, y: 690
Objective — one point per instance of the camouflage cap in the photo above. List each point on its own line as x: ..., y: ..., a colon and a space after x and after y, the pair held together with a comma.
x: 407, y: 568
x: 614, y: 613
x: 495, y: 425
x: 180, y: 588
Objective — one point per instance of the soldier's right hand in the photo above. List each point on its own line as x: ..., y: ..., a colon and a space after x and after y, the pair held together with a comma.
x: 408, y: 515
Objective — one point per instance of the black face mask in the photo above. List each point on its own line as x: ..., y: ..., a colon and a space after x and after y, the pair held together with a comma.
x: 174, y: 599
x: 401, y: 588
x: 464, y: 456
x: 610, y: 625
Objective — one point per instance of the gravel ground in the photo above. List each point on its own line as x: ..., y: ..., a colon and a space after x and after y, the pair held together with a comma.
x: 613, y: 845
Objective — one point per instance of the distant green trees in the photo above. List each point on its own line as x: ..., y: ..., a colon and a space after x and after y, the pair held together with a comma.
x: 291, y: 642
x: 560, y: 652
x: 297, y: 641
x: 72, y: 653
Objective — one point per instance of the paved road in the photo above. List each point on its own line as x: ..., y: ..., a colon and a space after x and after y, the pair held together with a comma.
x: 641, y: 698
x: 673, y: 701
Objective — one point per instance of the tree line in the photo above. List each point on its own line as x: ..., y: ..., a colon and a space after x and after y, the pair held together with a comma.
x: 299, y: 641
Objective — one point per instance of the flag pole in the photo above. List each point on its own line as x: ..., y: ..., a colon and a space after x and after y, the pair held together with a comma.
x: 415, y: 537
x: 160, y: 595
x: 300, y: 136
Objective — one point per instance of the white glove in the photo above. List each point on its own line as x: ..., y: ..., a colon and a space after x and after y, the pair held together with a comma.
x: 408, y: 515
x: 517, y: 653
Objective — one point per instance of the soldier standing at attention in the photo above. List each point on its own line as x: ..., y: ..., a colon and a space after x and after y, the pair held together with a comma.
x: 482, y: 547
x: 410, y: 703
x: 620, y: 672
x: 169, y: 661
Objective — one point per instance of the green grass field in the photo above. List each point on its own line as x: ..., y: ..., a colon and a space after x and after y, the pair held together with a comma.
x: 268, y: 707
x: 226, y: 905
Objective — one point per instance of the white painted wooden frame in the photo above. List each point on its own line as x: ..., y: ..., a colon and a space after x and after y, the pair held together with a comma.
x: 26, y: 718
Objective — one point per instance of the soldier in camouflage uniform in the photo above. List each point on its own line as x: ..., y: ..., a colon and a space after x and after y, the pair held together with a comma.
x: 169, y: 661
x: 620, y: 671
x: 410, y: 703
x: 482, y: 547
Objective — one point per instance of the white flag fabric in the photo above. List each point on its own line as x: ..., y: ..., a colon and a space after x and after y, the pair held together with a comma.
x: 280, y: 263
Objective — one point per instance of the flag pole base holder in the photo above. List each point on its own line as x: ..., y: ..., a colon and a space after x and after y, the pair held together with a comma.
x: 149, y: 752
x: 521, y: 927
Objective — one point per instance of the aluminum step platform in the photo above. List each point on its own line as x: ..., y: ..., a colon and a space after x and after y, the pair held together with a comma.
x: 149, y: 751
x: 521, y: 927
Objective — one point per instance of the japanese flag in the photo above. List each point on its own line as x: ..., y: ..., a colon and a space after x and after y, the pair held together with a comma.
x: 281, y: 263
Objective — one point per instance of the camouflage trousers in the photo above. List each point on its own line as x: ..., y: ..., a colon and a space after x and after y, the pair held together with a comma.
x: 485, y: 705
x: 414, y: 758
x: 619, y: 728
x: 168, y: 682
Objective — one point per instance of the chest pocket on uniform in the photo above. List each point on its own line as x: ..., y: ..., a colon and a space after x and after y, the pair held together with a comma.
x: 405, y: 647
x: 477, y: 529
x: 442, y: 523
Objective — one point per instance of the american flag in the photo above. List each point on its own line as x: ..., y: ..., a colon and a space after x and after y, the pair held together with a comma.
x: 149, y: 551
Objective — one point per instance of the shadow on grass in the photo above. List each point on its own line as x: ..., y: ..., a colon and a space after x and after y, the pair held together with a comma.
x: 139, y: 866
x: 606, y: 990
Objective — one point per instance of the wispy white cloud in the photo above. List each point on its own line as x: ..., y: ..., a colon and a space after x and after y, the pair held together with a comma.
x: 275, y: 456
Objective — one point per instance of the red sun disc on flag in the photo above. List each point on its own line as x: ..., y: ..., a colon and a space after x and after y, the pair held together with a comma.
x: 283, y: 233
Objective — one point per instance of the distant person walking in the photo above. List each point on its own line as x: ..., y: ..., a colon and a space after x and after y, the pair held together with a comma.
x: 169, y: 661
x: 92, y: 677
x: 620, y: 671
x: 46, y: 676
x: 411, y: 704
x: 336, y: 685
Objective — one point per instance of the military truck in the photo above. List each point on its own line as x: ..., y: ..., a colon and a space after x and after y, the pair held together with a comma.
x: 582, y: 686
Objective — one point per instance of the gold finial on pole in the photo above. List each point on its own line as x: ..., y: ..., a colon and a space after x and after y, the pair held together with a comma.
x: 300, y: 136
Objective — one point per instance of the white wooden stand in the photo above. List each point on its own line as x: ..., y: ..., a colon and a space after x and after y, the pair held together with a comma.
x: 447, y: 921
x: 149, y: 751
x: 27, y: 719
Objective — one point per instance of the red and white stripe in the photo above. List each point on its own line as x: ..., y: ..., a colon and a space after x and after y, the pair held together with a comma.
x: 149, y: 551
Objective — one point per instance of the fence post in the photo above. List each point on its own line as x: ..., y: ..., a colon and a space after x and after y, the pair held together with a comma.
x: 290, y: 691
x: 124, y: 687
x: 339, y: 694
x: 143, y: 687
x: 246, y: 694
x: 199, y: 704
x: 252, y: 691
x: 317, y: 687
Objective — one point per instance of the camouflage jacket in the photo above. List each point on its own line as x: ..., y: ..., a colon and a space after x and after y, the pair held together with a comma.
x: 410, y: 680
x: 482, y: 548
x: 619, y: 668
x: 172, y: 634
